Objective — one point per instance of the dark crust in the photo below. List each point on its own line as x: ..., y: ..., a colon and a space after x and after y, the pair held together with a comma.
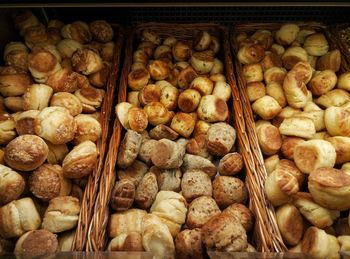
x: 101, y: 31
x: 39, y: 242
x: 123, y: 195
x: 42, y: 61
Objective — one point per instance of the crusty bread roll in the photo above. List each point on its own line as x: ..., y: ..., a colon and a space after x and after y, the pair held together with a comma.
x: 123, y: 195
x: 62, y: 214
x: 275, y: 75
x: 189, y: 100
x: 337, y: 121
x: 183, y: 124
x: 188, y: 244
x: 129, y: 148
x: 198, y: 146
x: 287, y: 34
x: 78, y: 31
x: 181, y: 51
x: 133, y: 98
x: 316, y: 44
x: 195, y: 183
x: 137, y: 79
x: 313, y: 154
x: 298, y: 127
x: 266, y: 107
x: 158, y: 69
x: 288, y: 146
x: 14, y: 104
x: 220, y: 138
x: 80, y: 161
x: 91, y: 98
x: 14, y: 84
x: 230, y: 164
x: 253, y: 73
x: 224, y: 233
x: 68, y: 101
x: 56, y: 153
x: 134, y: 172
x: 293, y: 55
x: 329, y: 188
x: 42, y: 64
x: 167, y: 154
x: 271, y: 163
x: 336, y: 97
x: 200, y: 211
x: 275, y: 90
x: 26, y: 152
x: 101, y: 31
x: 251, y: 53
x: 322, y: 82
x: 16, y: 55
x: 255, y: 91
x: 277, y: 49
x: 331, y: 60
x: 88, y: 128
x: 146, y: 150
x: 198, y: 162
x: 295, y: 90
x: 169, y: 97
x: 12, y: 185
x: 162, y: 51
x: 157, y: 113
x: 290, y: 223
x: 241, y: 213
x: 342, y: 148
x: 65, y: 80
x: 146, y: 191
x: 317, y: 116
x: 228, y: 190
x: 185, y: 77
x: 126, y: 242
x: 36, y: 243
x: 17, y: 217
x: 270, y: 60
x: 141, y: 56
x: 269, y: 138
x: 163, y: 131
x: 202, y: 62
x: 7, y: 128
x: 67, y: 47
x: 156, y: 237
x: 264, y: 37
x: 317, y: 215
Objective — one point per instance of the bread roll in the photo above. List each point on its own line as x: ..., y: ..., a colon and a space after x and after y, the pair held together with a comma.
x: 169, y: 97
x: 253, y: 73
x: 270, y: 60
x: 78, y: 31
x: 323, y: 82
x: 295, y: 90
x: 255, y: 91
x: 231, y: 164
x: 275, y: 75
x: 80, y: 161
x: 134, y: 172
x: 298, y: 127
x: 217, y: 78
x: 220, y: 138
x: 331, y: 60
x: 200, y: 211
x: 251, y: 53
x: 65, y: 241
x: 101, y: 31
x: 146, y: 191
x: 183, y: 124
x: 317, y: 215
x: 222, y: 90
x: 288, y: 146
x: 68, y: 101
x: 14, y: 104
x: 316, y: 44
x: 224, y: 233
x: 202, y: 62
x: 271, y: 163
x: 157, y: 113
x: 241, y: 213
x: 189, y: 100
x: 269, y: 138
x: 136, y: 119
x: 293, y: 55
x: 317, y: 116
x: 228, y: 190
x: 287, y: 34
x: 65, y: 80
x: 344, y: 81
x: 329, y: 188
x: 16, y: 55
x: 195, y: 183
x: 133, y: 98
x: 100, y: 78
x: 67, y: 47
x: 36, y: 243
x: 14, y: 84
x: 266, y: 107
x: 163, y: 131
x: 277, y: 49
x: 126, y: 242
x: 42, y: 64
x: 7, y: 128
x: 26, y: 152
x: 62, y: 214
x: 12, y: 185
x: 186, y: 76
x: 197, y: 146
x: 167, y: 154
x: 158, y: 69
x: 163, y: 51
x: 123, y: 195
x: 18, y: 217
x: 198, y: 162
x: 56, y: 153
x: 341, y: 145
x: 91, y: 98
x: 290, y: 223
x: 336, y: 97
x: 188, y: 244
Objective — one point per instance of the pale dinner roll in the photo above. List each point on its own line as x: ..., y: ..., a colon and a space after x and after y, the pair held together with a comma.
x: 298, y: 127
x: 42, y: 64
x: 275, y: 75
x: 342, y: 148
x: 337, y: 121
x: 292, y: 56
x: 288, y: 146
x: 7, y: 128
x: 316, y: 44
x: 186, y: 76
x: 344, y: 81
x: 37, y: 97
x: 331, y: 60
x: 55, y: 124
x: 277, y: 49
x: 295, y: 90
x: 255, y: 91
x: 88, y: 128
x: 222, y: 90
x: 195, y: 183
x: 169, y: 96
x: 100, y: 78
x: 271, y: 163
x: 318, y: 244
x: 36, y: 243
x: 188, y: 244
x: 12, y: 185
x: 146, y: 191
x: 269, y: 138
x: 14, y: 104
x: 157, y: 113
x: 230, y: 164
x: 212, y: 109
x: 68, y: 101
x: 266, y: 107
x: 133, y: 98
x: 322, y: 82
x: 335, y: 97
x: 62, y: 214
x: 200, y: 211
x: 56, y: 153
x: 303, y: 33
x: 91, y: 98
x: 183, y: 124
x: 203, y: 85
x: 18, y: 217
x: 202, y: 62
x: 217, y: 78
x: 253, y: 73
x: 156, y: 237
x: 329, y: 187
x: 317, y: 116
x: 317, y: 215
x: 134, y: 172
x: 86, y: 61
x: 220, y: 138
x: 218, y: 67
x: 26, y: 152
x: 287, y: 34
x: 25, y: 122
x: 80, y: 161
x: 47, y: 182
x: 290, y: 223
x: 251, y: 53
x: 78, y: 31
x: 14, y: 84
x: 189, y: 100
x: 140, y: 56
x: 228, y: 190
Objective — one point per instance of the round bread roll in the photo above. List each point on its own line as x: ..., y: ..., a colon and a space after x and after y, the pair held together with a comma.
x: 88, y: 128
x: 35, y: 35
x: 220, y: 138
x: 264, y: 37
x: 163, y: 51
x: 290, y: 223
x: 140, y: 56
x: 163, y: 131
x: 322, y: 82
x: 167, y: 154
x: 287, y: 34
x: 14, y: 84
x: 68, y: 101
x: 270, y: 60
x: 200, y: 211
x: 335, y: 97
x: 56, y: 153
x: 123, y: 195
x: 253, y: 73
x: 47, y: 182
x: 269, y: 138
x: 157, y: 113
x: 189, y: 100
x: 42, y: 64
x: 25, y: 122
x: 65, y: 80
x: 183, y: 124
x: 65, y: 241
x: 313, y: 154
x: 295, y: 90
x: 12, y: 185
x: 18, y: 217
x: 255, y: 91
x: 91, y: 98
x: 329, y: 188
x: 62, y: 214
x: 181, y: 51
x: 36, y: 243
x: 201, y: 127
x: 202, y: 62
x: 26, y: 152
x: 148, y: 47
x: 195, y: 183
x: 331, y: 61
x: 134, y: 172
x: 316, y: 44
x: 198, y: 162
x: 169, y: 97
x: 222, y: 90
x: 86, y: 61
x: 266, y: 107
x: 288, y: 146
x: 146, y: 150
x: 201, y: 40
x: 80, y: 161
x: 218, y: 67
x: 203, y: 85
x: 337, y: 121
x: 133, y: 98
x: 317, y: 116
x: 303, y: 33
x: 146, y: 191
x: 16, y: 55
x: 55, y: 124
x: 217, y: 78
x: 137, y: 79
x: 228, y: 190
x: 7, y: 128
x: 78, y: 31
x: 344, y: 242
x: 126, y: 242
x: 224, y: 233
x: 293, y: 55
x: 158, y: 70
x: 188, y: 244
x: 275, y: 90
x: 186, y: 76
x: 342, y: 148
x: 241, y: 213
x: 277, y: 49
x: 67, y: 47
x: 37, y: 97
x: 251, y: 53
x: 271, y: 163
x: 197, y: 146
x: 275, y: 75
x: 344, y: 81
x: 101, y: 31
x: 231, y: 164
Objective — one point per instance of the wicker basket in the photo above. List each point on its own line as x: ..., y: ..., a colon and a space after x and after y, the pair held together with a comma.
x: 335, y: 33
x: 97, y: 238
x: 92, y: 186
x: 271, y: 229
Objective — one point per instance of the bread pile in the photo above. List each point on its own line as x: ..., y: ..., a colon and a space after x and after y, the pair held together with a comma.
x: 51, y: 91
x: 177, y: 190
x: 301, y: 102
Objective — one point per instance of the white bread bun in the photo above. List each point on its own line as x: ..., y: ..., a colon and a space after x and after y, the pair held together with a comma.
x: 253, y: 73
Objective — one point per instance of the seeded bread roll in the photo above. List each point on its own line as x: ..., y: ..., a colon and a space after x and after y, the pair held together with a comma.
x: 167, y: 154
x: 220, y: 138
x: 129, y: 149
x: 146, y: 191
x: 12, y: 185
x: 198, y: 162
x: 241, y: 213
x: 200, y: 211
x: 134, y: 172
x: 195, y: 183
x: 188, y: 244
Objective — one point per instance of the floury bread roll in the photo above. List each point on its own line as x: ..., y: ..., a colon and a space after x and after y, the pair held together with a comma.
x: 313, y: 154
x: 56, y: 153
x: 196, y: 183
x: 329, y: 187
x: 337, y: 120
x: 287, y: 34
x: 101, y: 31
x: 156, y: 238
x: 253, y: 73
x: 146, y: 191
x: 241, y: 213
x: 198, y: 162
x: 16, y: 55
x: 17, y: 217
x: 86, y: 61
x: 288, y: 146
x: 189, y: 100
x: 12, y: 185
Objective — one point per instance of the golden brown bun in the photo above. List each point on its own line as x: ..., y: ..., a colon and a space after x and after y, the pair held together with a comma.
x: 42, y: 64
x: 222, y: 90
x: 200, y: 211
x: 146, y: 191
x: 197, y: 146
x: 188, y: 244
x: 275, y: 75
x: 322, y: 82
x: 47, y: 182
x: 253, y: 73
x: 228, y: 190
x: 91, y: 98
x: 7, y: 128
x: 186, y: 76
x: 157, y: 113
x: 80, y: 161
x: 241, y: 213
x: 331, y: 60
x: 55, y: 124
x: 251, y: 53
x: 183, y: 124
x: 101, y: 31
x: 68, y: 101
x: 65, y: 80
x: 56, y: 153
x: 36, y: 34
x: 14, y: 84
x: 266, y: 107
x: 163, y: 131
x: 86, y: 61
x: 140, y: 56
x: 14, y: 104
x: 17, y: 217
x: 37, y: 97
x: 298, y: 127
x: 337, y: 121
x: 329, y: 187
x: 100, y: 78
x: 295, y: 90
x: 202, y: 62
x: 288, y: 146
x: 158, y: 70
x: 287, y: 34
x: 269, y: 138
x: 270, y: 60
x: 136, y: 119
x: 67, y: 47
x: 148, y: 47
x: 123, y: 195
x: 195, y: 183
x: 344, y: 81
x: 12, y: 185
x: 62, y: 214
x: 220, y: 138
x: 16, y: 55
x: 336, y: 97
x: 36, y: 243
x: 162, y: 51
x: 293, y: 55
x: 169, y: 96
x: 230, y: 164
x: 25, y: 19
x: 88, y: 128
x: 25, y: 122
x: 271, y: 163
x: 133, y: 98
x: 290, y: 223
x: 189, y: 100
x: 181, y: 51
x: 341, y: 145
x: 255, y: 91
x: 134, y: 172
x: 316, y: 44
x: 149, y: 93
x: 26, y: 152
x: 313, y: 154
x: 126, y: 242
x: 224, y: 233
x: 78, y: 31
